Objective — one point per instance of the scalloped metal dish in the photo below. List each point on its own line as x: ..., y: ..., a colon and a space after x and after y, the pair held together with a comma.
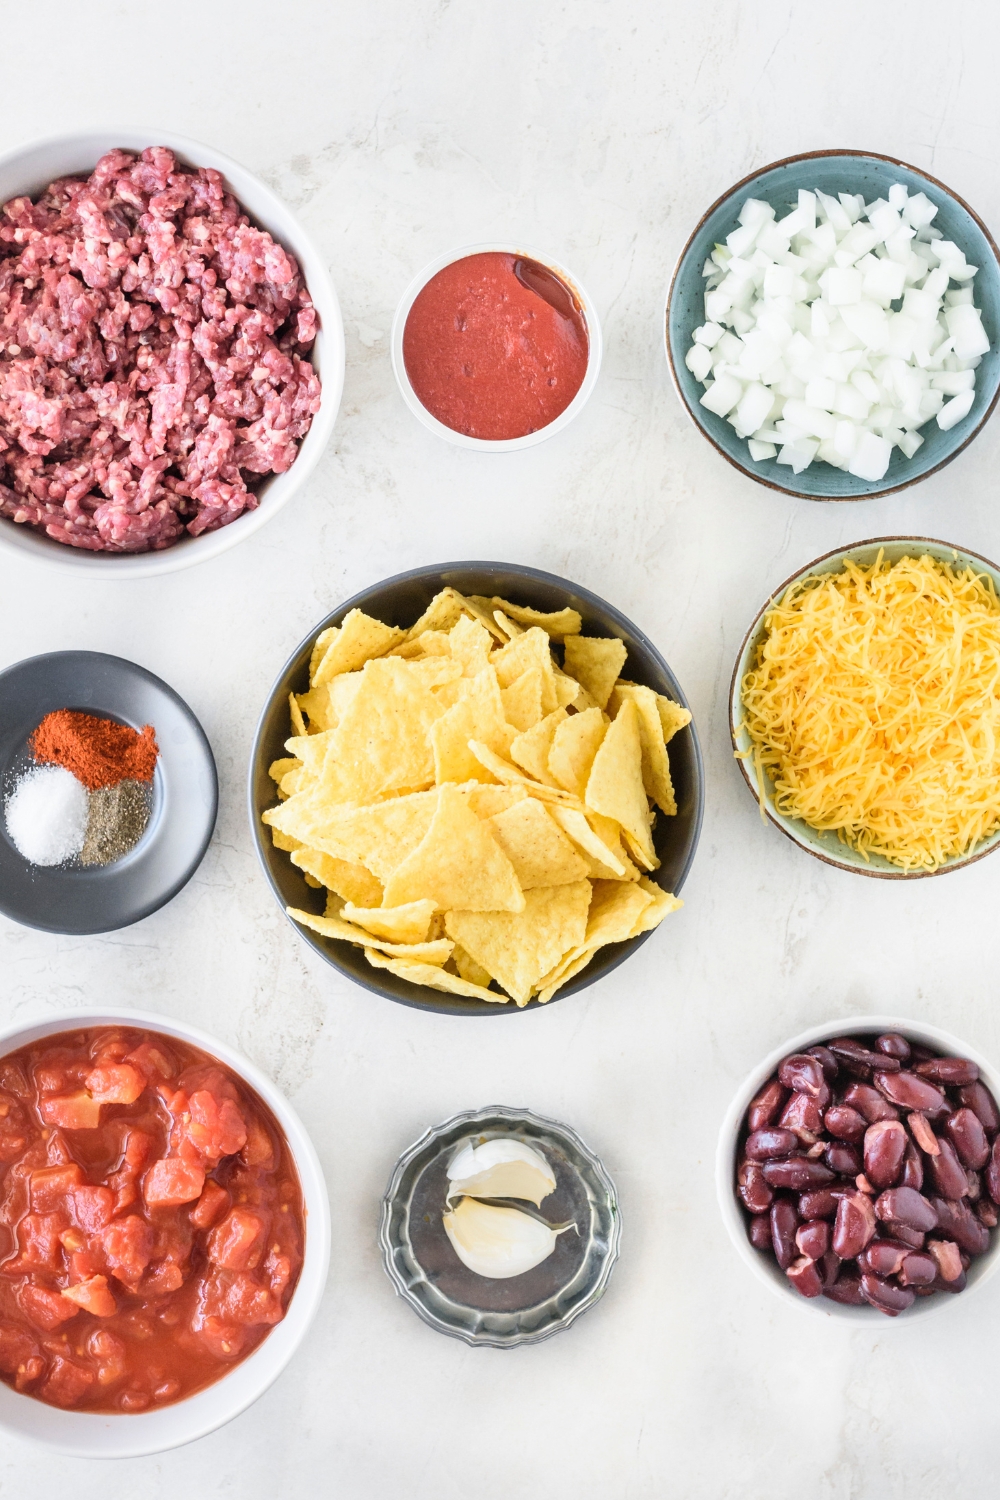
x: 502, y: 1314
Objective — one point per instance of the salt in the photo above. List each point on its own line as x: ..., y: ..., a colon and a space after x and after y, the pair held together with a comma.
x: 46, y: 815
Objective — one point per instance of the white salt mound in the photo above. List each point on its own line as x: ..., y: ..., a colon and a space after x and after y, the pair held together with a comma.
x: 46, y: 815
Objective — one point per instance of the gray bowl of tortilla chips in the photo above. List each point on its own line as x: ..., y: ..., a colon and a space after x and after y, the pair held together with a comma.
x: 476, y: 787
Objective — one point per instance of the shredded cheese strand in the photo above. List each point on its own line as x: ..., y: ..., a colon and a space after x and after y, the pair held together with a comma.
x: 874, y: 706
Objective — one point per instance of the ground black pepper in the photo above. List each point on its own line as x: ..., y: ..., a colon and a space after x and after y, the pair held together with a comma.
x: 117, y: 821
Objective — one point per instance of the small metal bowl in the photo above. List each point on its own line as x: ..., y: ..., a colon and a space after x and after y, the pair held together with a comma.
x: 834, y: 171
x: 426, y: 1272
x: 827, y: 846
x: 401, y: 601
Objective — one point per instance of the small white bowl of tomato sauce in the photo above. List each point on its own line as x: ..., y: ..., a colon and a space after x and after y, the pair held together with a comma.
x: 495, y: 347
x: 165, y: 1233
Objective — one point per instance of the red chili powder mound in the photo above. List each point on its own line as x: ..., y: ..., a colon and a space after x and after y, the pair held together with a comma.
x: 97, y: 751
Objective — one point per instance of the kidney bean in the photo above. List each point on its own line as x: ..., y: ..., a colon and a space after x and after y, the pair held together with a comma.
x: 845, y: 1123
x: 885, y: 1147
x: 829, y: 1267
x: 885, y: 1295
x: 796, y: 1172
x: 764, y: 1109
x: 894, y: 1045
x: 784, y: 1222
x: 918, y: 1270
x: 760, y: 1231
x: 992, y: 1178
x: 846, y: 1289
x: 912, y: 1175
x: 763, y: 1144
x: 968, y: 1137
x: 804, y: 1276
x: 906, y: 1206
x: 802, y: 1113
x: 854, y: 1226
x: 858, y: 1060
x: 884, y: 1257
x: 813, y: 1239
x: 986, y: 1211
x: 826, y: 1060
x: 870, y: 1103
x: 945, y: 1255
x: 977, y: 1097
x: 958, y: 1285
x: 920, y: 1054
x: 948, y: 1176
x: 922, y: 1133
x: 754, y: 1191
x: 842, y: 1159
x: 959, y: 1223
x: 910, y: 1091
x: 951, y: 1071
x: 820, y: 1203
x: 802, y: 1074
x: 913, y: 1238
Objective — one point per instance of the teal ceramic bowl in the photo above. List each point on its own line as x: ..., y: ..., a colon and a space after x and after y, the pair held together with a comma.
x: 827, y: 846
x: 833, y: 172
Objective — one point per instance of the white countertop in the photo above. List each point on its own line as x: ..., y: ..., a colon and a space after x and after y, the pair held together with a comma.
x: 599, y: 132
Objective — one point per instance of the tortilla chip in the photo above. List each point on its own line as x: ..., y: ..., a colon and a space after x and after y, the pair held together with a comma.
x: 467, y: 967
x: 478, y: 715
x: 470, y: 644
x: 285, y: 841
x: 507, y: 625
x: 347, y: 878
x: 540, y: 852
x: 615, y: 785
x: 380, y: 836
x: 504, y: 771
x: 616, y: 909
x: 360, y: 639
x: 397, y: 924
x: 486, y: 800
x: 575, y: 743
x: 606, y: 860
x: 570, y: 692
x: 595, y: 662
x: 295, y: 713
x: 563, y: 973
x: 531, y: 649
x: 458, y: 865
x: 556, y: 623
x: 655, y: 763
x: 279, y: 769
x: 433, y: 978
x: 522, y: 701
x: 518, y: 949
x: 319, y: 649
x: 444, y: 610
x: 316, y: 705
x: 531, y: 749
x: 381, y: 744
x: 336, y: 927
x: 662, y: 903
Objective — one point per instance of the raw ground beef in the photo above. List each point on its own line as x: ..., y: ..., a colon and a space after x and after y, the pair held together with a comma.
x: 152, y: 345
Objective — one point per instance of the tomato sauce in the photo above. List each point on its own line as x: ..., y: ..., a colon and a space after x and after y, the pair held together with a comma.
x: 151, y: 1220
x: 495, y: 346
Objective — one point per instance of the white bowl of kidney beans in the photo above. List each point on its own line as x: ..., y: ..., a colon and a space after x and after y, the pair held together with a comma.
x: 858, y: 1168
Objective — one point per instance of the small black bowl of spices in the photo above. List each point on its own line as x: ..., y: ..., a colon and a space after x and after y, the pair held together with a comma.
x: 108, y: 788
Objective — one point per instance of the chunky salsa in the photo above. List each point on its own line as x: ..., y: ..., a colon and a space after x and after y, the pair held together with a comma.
x: 151, y: 1220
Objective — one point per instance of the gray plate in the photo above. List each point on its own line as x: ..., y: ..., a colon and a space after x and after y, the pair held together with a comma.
x: 426, y: 1272
x: 77, y: 899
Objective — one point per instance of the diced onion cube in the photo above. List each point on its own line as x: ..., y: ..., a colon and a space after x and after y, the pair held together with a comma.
x: 953, y: 411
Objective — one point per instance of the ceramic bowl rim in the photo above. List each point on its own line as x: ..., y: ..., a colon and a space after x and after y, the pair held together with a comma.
x: 748, y: 469
x: 529, y: 439
x: 309, y: 1291
x: 777, y: 819
x: 25, y: 541
x: 765, y: 1269
x: 367, y: 596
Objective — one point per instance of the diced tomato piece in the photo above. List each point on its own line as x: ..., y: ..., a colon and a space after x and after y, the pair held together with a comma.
x: 71, y: 1111
x: 259, y: 1148
x: 216, y: 1127
x: 166, y: 1276
x: 223, y: 1340
x: 115, y: 1083
x: 16, y: 1348
x: 50, y: 1187
x: 42, y: 1308
x: 50, y: 1078
x: 127, y: 1247
x: 278, y: 1270
x: 67, y: 1382
x: 152, y: 1061
x: 93, y: 1295
x: 41, y: 1246
x: 12, y: 1142
x: 210, y: 1206
x: 137, y: 1148
x: 92, y: 1207
x: 238, y: 1297
x: 237, y: 1243
x: 172, y: 1181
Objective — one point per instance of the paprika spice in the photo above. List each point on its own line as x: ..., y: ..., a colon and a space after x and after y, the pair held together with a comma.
x: 98, y: 751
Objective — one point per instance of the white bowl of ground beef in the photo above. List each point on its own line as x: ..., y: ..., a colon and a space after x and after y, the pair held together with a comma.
x: 213, y: 424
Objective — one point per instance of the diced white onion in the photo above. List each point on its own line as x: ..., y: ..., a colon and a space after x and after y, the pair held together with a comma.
x: 836, y: 329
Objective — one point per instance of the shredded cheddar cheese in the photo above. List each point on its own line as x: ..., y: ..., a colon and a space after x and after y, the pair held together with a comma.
x: 874, y: 707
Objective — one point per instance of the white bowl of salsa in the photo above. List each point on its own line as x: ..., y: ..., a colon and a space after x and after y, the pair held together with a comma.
x: 496, y: 347
x: 167, y: 1184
